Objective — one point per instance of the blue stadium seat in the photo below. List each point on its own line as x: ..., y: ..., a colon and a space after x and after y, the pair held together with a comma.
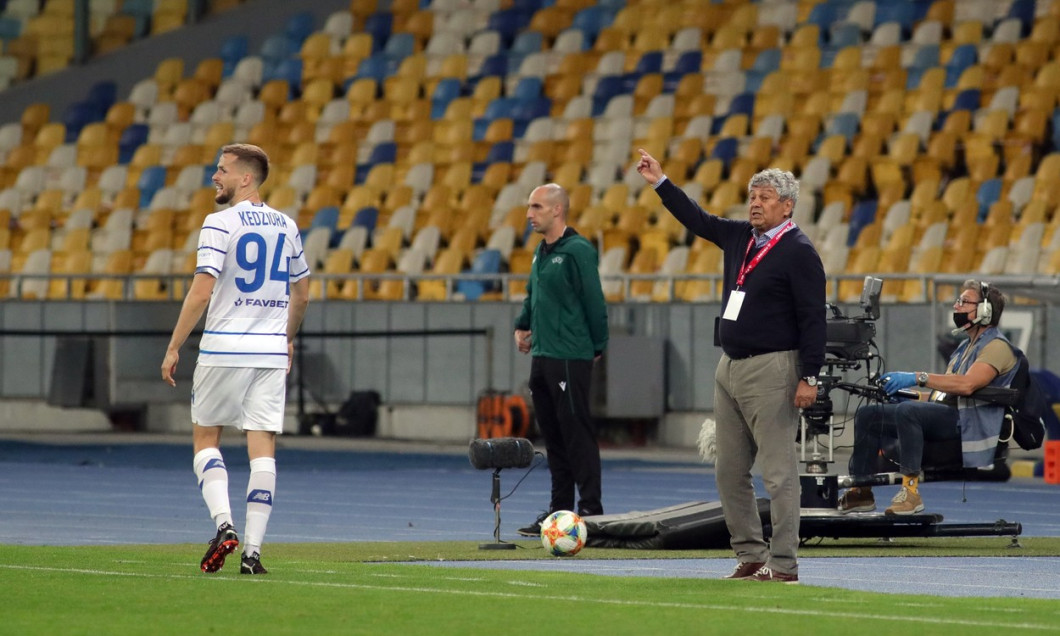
x: 823, y: 15
x: 445, y: 91
x: 687, y: 62
x: 591, y: 20
x: 531, y: 5
x: 498, y: 108
x: 366, y: 218
x: 384, y: 152
x: 328, y: 217
x: 989, y: 192
x: 299, y: 26
x: 77, y: 115
x: 905, y: 12
x: 528, y: 88
x: 767, y: 60
x: 103, y: 94
x: 606, y: 88
x: 845, y: 124
x: 275, y: 49
x: 844, y: 34
x: 744, y: 103
x: 525, y: 111
x: 1024, y: 11
x: 289, y: 70
x: 485, y: 262
x: 399, y: 46
x: 141, y: 11
x: 863, y: 214
x: 379, y: 26
x: 526, y: 43
x: 233, y: 49
x: 131, y: 139
x: 968, y: 99
x: 500, y: 152
x: 10, y: 28
x: 649, y: 62
x: 508, y: 23
x: 151, y: 180
x: 375, y: 66
x: 752, y: 82
x: 726, y: 149
x: 494, y: 65
x: 925, y: 57
x: 963, y: 56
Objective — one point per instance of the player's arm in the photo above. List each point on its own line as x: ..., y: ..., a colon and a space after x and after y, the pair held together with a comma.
x: 295, y: 313
x: 194, y: 305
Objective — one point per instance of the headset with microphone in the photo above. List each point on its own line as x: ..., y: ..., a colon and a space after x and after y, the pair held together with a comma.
x: 984, y: 312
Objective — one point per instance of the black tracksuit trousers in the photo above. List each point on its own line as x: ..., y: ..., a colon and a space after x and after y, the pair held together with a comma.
x: 560, y: 392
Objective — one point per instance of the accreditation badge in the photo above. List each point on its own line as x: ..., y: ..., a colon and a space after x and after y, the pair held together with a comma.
x: 732, y: 309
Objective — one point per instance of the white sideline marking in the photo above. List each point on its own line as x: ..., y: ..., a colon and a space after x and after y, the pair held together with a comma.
x: 548, y: 597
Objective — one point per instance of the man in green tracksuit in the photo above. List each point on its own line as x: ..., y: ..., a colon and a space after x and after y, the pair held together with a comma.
x: 563, y: 325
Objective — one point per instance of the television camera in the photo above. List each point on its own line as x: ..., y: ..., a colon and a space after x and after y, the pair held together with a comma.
x: 849, y: 345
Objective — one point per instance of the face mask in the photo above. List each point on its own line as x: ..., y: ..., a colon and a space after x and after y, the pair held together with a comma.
x: 960, y: 320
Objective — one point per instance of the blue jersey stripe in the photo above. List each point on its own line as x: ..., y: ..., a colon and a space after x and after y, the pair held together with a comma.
x: 240, y: 353
x: 244, y: 333
x: 214, y: 227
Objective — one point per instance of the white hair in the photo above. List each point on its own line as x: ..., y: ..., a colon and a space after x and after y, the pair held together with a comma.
x: 784, y: 182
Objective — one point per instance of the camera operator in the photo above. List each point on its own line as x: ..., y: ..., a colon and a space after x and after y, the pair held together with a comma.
x: 772, y: 333
x: 985, y: 359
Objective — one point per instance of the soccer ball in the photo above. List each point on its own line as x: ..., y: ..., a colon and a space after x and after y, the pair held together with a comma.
x: 563, y: 533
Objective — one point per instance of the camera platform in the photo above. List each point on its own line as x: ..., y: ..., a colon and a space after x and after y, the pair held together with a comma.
x: 857, y: 525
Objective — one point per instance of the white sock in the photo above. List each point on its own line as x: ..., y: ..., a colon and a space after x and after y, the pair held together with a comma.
x: 260, y: 490
x: 212, y: 476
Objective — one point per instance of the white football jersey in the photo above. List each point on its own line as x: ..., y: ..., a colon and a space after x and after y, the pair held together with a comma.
x: 255, y: 253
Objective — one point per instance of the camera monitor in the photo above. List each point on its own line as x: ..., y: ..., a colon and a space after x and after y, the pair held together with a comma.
x: 870, y: 297
x: 850, y: 339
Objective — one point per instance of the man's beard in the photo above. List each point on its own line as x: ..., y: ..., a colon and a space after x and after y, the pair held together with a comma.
x: 224, y: 196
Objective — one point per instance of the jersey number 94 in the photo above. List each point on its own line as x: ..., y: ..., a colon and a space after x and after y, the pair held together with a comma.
x: 252, y: 255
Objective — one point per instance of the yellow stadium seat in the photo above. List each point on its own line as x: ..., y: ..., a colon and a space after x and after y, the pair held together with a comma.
x: 339, y: 261
x: 449, y: 261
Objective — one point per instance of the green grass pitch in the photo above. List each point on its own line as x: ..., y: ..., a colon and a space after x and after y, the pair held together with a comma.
x: 377, y: 588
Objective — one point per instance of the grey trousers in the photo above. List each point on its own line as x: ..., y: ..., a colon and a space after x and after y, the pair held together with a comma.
x: 754, y: 405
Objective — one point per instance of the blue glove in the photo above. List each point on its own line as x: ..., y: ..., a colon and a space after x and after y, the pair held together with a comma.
x: 895, y: 381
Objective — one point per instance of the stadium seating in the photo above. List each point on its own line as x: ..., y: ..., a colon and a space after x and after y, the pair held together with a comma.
x: 904, y: 121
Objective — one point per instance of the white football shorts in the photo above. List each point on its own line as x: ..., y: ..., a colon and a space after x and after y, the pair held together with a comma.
x: 249, y: 399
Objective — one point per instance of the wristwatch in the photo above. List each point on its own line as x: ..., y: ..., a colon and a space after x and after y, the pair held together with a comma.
x: 810, y: 379
x: 921, y: 378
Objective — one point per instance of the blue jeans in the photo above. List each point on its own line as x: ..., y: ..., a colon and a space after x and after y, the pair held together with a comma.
x: 911, y: 422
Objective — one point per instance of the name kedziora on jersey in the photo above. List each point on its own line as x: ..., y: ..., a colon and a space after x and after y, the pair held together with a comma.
x: 256, y: 217
x: 257, y: 302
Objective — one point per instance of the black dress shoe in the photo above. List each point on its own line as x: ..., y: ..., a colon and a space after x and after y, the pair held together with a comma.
x: 534, y: 529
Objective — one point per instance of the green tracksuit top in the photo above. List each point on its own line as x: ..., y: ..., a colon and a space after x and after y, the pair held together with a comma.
x: 564, y: 307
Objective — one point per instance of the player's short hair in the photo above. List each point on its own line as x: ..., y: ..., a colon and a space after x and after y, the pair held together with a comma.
x: 251, y: 156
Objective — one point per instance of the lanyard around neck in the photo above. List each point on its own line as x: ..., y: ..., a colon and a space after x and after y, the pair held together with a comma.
x: 749, y: 266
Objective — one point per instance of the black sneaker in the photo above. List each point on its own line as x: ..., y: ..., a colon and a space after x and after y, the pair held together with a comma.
x: 221, y: 546
x: 534, y: 529
x: 252, y: 564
